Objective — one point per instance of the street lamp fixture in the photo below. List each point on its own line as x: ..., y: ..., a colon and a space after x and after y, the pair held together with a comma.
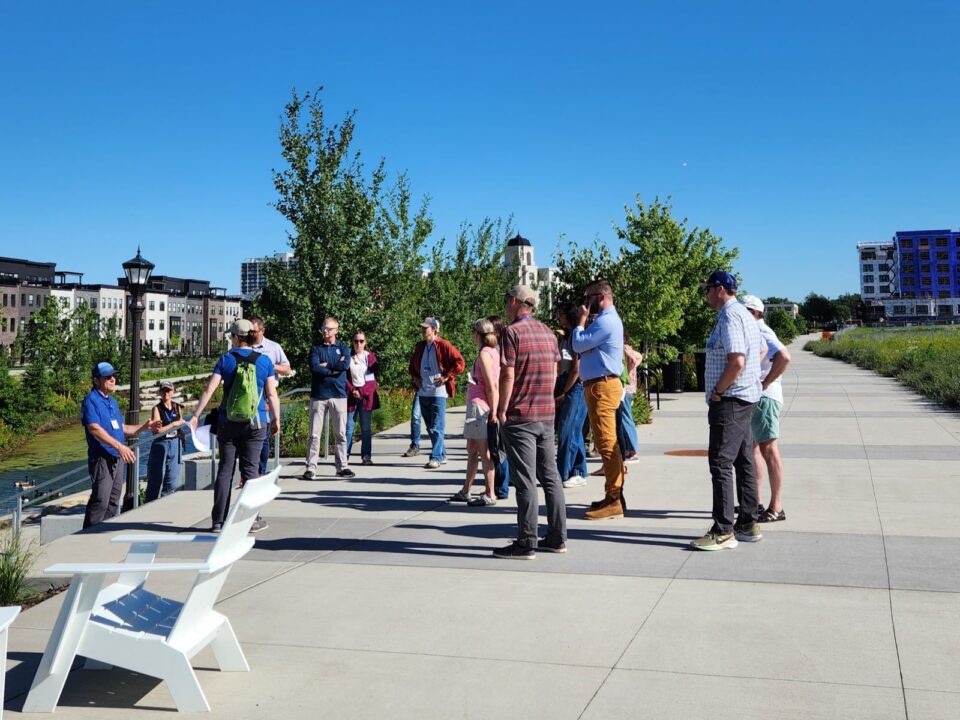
x: 138, y: 272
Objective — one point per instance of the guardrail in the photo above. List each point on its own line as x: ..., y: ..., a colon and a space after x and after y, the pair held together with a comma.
x: 53, y: 488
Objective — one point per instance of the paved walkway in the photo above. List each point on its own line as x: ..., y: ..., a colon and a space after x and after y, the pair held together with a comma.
x: 373, y: 598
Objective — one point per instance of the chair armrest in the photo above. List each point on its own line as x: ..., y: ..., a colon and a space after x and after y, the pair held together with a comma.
x: 7, y: 616
x: 158, y: 538
x: 118, y: 568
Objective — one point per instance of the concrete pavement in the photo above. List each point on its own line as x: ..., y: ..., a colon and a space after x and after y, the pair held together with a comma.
x: 374, y: 598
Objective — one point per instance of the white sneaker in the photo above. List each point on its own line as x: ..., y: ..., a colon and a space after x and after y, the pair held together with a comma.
x: 574, y: 481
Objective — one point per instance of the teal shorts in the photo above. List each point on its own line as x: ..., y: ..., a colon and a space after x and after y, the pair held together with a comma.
x: 766, y: 420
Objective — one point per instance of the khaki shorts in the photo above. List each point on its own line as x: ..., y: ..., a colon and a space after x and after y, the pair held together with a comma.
x: 766, y: 420
x: 475, y: 426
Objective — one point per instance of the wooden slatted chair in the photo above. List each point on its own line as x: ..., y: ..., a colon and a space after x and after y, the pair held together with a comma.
x: 128, y: 626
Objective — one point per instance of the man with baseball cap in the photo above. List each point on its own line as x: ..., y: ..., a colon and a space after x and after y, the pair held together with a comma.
x: 433, y: 366
x: 526, y: 410
x: 766, y: 416
x: 106, y: 451
x: 733, y: 388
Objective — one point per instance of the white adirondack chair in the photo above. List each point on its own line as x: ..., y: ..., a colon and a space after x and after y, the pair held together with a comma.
x: 126, y: 625
x: 7, y: 616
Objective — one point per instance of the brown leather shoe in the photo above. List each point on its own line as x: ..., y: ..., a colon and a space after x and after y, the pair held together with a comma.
x: 609, y: 510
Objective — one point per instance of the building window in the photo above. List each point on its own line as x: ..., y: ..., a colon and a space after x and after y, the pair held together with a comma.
x: 884, y: 288
x: 868, y: 278
x: 909, y: 281
x: 13, y: 324
x: 943, y: 268
x: 925, y: 255
x: 13, y: 300
x: 30, y: 300
x: 4, y: 299
x: 867, y: 267
x: 910, y: 295
x: 941, y: 242
x: 943, y: 280
x: 925, y: 268
x: 161, y: 324
x: 884, y: 278
x: 943, y: 294
x: 908, y: 268
x: 152, y: 305
x: 150, y: 324
x: 899, y: 309
x: 906, y: 243
x: 161, y: 306
x: 868, y: 289
x: 943, y: 255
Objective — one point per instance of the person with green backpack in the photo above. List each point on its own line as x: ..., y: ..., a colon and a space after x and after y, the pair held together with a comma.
x: 249, y: 383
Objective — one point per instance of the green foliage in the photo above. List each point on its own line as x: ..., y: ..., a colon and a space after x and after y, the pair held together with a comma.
x: 782, y: 324
x: 641, y: 411
x: 16, y: 559
x: 656, y: 276
x: 925, y: 359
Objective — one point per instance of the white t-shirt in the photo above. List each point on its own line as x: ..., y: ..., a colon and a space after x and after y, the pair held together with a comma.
x: 358, y: 370
x: 774, y: 391
x: 430, y: 371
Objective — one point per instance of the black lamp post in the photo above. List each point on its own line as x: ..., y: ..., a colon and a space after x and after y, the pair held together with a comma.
x: 138, y: 272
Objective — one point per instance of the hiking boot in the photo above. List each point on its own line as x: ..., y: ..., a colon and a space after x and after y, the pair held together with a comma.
x: 515, y: 552
x: 412, y: 451
x: 551, y: 547
x: 366, y: 461
x: 748, y: 533
x: 308, y: 475
x: 346, y: 473
x: 715, y: 540
x: 609, y: 509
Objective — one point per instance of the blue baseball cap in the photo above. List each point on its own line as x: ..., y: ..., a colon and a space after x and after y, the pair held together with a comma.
x: 104, y: 369
x: 723, y: 279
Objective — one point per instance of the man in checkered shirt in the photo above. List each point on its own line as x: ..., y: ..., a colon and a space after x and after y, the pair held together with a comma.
x: 732, y: 381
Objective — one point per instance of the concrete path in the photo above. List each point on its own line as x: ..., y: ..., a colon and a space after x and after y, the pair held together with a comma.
x: 374, y: 598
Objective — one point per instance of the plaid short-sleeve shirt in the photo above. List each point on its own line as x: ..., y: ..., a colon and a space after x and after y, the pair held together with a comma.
x: 530, y: 348
x: 736, y: 331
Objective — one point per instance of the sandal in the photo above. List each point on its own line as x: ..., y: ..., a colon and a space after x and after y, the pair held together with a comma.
x: 482, y: 501
x: 460, y: 496
x: 771, y: 516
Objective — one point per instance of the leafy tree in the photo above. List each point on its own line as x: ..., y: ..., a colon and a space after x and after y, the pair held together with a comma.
x: 818, y: 309
x: 656, y: 276
x: 781, y: 323
x: 846, y: 307
x: 773, y: 300
x: 358, y: 243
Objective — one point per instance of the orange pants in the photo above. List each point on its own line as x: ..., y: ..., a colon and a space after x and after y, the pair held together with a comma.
x: 603, y: 398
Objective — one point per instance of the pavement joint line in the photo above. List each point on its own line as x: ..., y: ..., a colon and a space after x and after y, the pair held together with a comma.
x: 635, y: 635
x: 886, y: 563
x: 767, y: 679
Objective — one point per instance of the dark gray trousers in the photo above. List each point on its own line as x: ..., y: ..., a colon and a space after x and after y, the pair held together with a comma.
x: 731, y: 448
x: 237, y: 441
x: 532, y: 455
x: 107, y: 489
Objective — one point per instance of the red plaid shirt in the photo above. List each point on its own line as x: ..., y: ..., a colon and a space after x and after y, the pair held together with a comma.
x: 530, y: 348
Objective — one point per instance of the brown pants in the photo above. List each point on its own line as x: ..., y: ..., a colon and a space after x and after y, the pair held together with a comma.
x: 603, y: 399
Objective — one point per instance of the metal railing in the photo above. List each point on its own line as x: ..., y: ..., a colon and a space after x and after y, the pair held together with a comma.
x: 34, y: 495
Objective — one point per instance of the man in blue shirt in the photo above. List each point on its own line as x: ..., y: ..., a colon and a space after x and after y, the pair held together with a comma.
x: 732, y: 382
x: 106, y: 452
x: 601, y: 363
x: 329, y: 362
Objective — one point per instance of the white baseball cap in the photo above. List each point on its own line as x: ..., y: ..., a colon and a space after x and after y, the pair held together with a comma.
x: 752, y: 302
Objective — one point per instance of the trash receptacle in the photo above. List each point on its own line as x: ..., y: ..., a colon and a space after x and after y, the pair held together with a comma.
x: 673, y: 376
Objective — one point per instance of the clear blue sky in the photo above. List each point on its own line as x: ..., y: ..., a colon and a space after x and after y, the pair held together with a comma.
x: 791, y: 131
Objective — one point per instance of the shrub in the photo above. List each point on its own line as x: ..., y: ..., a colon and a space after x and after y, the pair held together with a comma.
x: 642, y: 413
x: 16, y: 559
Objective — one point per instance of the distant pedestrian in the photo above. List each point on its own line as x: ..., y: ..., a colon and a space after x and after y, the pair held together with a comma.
x: 571, y: 406
x: 281, y: 366
x: 626, y: 427
x: 249, y: 386
x: 106, y: 451
x: 526, y: 410
x: 482, y: 399
x: 732, y: 380
x: 766, y: 416
x: 362, y: 398
x: 329, y: 362
x: 498, y: 453
x: 601, y: 362
x: 434, y: 365
x: 163, y: 467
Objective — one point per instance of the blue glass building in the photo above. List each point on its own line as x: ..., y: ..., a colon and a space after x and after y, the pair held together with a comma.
x: 927, y: 263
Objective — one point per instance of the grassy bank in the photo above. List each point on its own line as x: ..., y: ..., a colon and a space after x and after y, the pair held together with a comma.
x: 925, y: 359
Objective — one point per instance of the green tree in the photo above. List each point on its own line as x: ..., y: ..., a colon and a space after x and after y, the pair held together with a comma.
x: 656, y: 276
x: 358, y: 243
x: 846, y: 307
x: 782, y: 324
x: 818, y: 309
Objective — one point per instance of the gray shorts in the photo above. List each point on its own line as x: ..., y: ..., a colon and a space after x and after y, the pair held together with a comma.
x: 475, y: 426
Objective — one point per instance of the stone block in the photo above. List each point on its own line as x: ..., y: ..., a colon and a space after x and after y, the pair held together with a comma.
x: 197, y: 471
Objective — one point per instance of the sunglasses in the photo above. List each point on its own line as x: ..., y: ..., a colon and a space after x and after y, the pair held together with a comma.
x: 327, y: 328
x: 358, y: 341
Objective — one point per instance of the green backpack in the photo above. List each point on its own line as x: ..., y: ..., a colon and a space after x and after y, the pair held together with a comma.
x: 243, y: 399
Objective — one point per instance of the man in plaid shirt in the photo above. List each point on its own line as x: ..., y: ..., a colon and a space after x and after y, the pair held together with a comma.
x: 528, y: 372
x: 732, y: 382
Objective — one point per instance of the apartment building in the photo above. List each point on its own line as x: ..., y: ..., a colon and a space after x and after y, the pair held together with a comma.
x: 253, y: 272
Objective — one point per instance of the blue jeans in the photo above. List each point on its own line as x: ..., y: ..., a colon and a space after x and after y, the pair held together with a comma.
x: 163, y: 468
x: 626, y: 427
x: 434, y: 411
x: 366, y: 439
x: 415, y: 423
x: 264, y: 456
x: 571, y: 451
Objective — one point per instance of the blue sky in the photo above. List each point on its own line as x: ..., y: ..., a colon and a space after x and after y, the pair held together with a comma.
x: 791, y: 131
